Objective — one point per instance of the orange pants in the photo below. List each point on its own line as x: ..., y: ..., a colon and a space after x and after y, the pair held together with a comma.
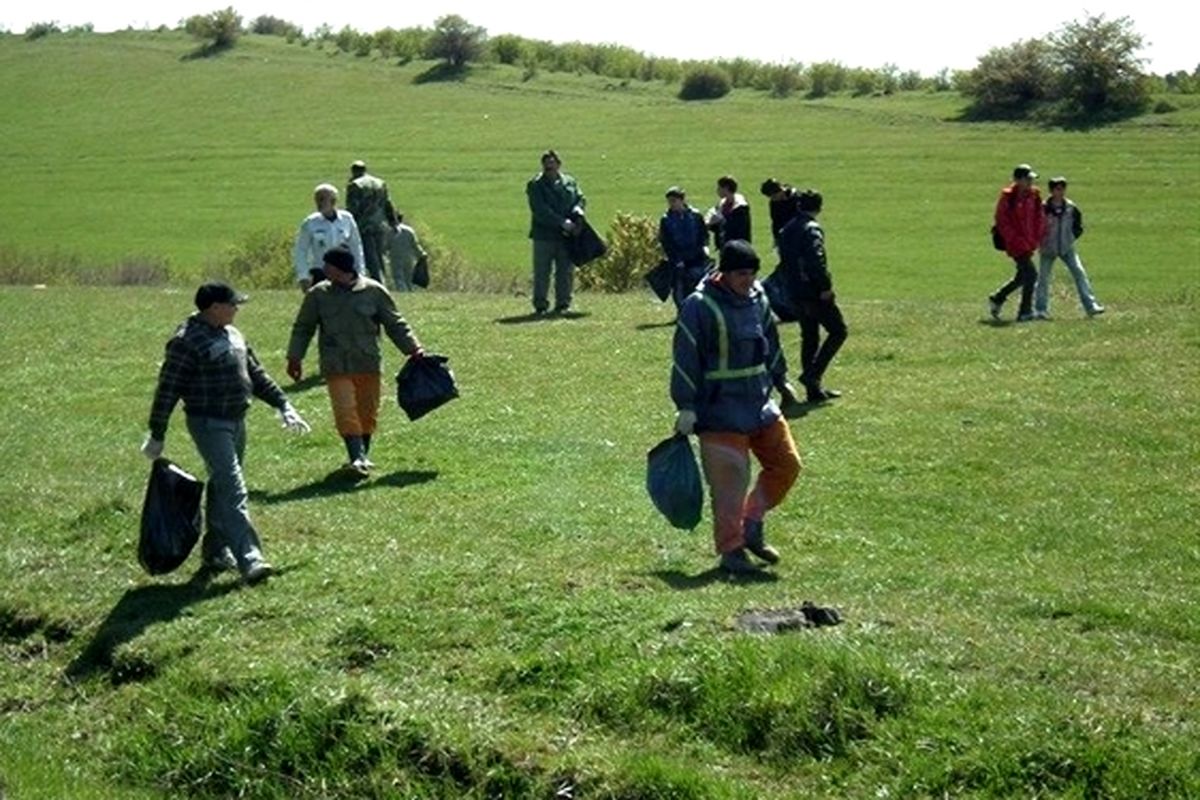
x: 726, y: 461
x: 355, y: 401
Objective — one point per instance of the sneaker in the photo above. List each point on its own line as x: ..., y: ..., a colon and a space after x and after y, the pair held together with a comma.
x: 752, y: 531
x: 355, y: 469
x: 994, y: 307
x: 1025, y: 318
x: 1041, y: 315
x: 364, y: 464
x: 735, y: 562
x: 830, y: 394
x: 221, y: 562
x: 257, y: 572
x: 1095, y: 310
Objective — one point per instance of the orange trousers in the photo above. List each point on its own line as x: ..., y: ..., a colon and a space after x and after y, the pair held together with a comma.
x: 726, y: 460
x: 355, y: 401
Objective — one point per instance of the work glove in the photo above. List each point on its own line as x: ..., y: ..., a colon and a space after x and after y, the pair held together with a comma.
x: 295, y: 370
x: 685, y: 422
x: 292, y: 420
x: 152, y: 448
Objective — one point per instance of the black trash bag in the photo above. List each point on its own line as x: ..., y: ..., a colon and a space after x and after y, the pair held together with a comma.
x: 673, y: 481
x: 660, y: 279
x: 779, y: 298
x: 170, y: 518
x: 423, y: 384
x: 584, y: 245
x: 420, y: 276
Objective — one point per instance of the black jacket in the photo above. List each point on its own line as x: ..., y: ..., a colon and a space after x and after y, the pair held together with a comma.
x: 802, y: 258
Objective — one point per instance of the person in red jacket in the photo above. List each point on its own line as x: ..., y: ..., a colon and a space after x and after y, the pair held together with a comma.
x: 1020, y: 222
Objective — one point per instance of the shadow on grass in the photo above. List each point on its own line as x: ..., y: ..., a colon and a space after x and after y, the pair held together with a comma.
x: 210, y: 50
x: 340, y: 482
x: 521, y: 319
x: 996, y: 323
x: 650, y: 326
x: 442, y: 72
x: 681, y: 581
x: 136, y: 611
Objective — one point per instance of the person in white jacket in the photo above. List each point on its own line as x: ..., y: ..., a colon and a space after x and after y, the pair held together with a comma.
x: 325, y: 229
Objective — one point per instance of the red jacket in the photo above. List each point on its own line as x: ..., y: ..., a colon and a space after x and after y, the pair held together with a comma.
x: 1020, y: 220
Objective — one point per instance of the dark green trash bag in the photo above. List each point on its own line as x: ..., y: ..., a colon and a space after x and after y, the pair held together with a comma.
x: 673, y: 481
x: 424, y: 384
x: 170, y: 517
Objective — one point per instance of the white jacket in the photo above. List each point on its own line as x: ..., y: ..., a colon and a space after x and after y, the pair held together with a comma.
x: 317, y: 234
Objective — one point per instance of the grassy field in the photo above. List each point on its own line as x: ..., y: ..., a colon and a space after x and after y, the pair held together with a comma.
x: 1004, y: 514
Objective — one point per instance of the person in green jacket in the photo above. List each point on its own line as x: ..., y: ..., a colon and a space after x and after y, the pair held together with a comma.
x: 349, y: 310
x: 368, y: 202
x: 555, y: 203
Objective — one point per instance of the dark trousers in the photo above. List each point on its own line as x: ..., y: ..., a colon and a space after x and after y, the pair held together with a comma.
x: 1025, y: 278
x: 815, y: 354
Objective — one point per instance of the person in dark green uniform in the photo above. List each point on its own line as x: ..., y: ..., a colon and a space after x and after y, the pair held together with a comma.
x: 554, y: 200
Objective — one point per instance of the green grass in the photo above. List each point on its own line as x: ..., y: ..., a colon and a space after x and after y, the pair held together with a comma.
x: 1003, y: 514
x: 130, y: 151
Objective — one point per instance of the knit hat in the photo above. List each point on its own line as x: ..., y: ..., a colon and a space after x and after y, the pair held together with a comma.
x: 738, y: 254
x: 341, y: 258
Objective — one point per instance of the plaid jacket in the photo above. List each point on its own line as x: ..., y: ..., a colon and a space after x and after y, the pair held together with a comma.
x: 213, y: 371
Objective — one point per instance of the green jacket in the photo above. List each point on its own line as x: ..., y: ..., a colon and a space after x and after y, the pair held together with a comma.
x: 349, y: 318
x: 367, y: 200
x: 550, y: 202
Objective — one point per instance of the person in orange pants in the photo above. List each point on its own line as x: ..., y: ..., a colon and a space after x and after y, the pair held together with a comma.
x: 349, y: 310
x: 727, y: 360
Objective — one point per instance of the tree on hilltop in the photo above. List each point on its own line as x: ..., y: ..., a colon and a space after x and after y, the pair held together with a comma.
x: 219, y: 30
x: 456, y: 40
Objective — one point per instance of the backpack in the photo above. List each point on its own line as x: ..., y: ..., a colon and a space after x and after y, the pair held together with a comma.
x: 997, y: 238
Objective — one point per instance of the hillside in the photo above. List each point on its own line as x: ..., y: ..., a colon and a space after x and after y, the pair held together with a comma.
x: 129, y: 149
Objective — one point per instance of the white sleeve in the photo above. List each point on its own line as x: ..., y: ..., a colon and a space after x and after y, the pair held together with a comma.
x: 356, y: 246
x: 300, y: 253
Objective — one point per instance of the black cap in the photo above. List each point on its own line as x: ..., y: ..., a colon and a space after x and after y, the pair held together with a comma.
x: 1023, y: 171
x: 217, y: 292
x: 738, y: 254
x: 341, y: 258
x: 810, y: 200
x: 770, y: 186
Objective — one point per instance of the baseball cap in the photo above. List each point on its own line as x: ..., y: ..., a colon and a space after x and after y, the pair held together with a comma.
x: 217, y: 292
x: 676, y: 191
x: 1023, y: 171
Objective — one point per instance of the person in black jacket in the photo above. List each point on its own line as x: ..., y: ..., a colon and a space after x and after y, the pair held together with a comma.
x: 730, y: 219
x: 682, y: 236
x: 802, y: 259
x: 783, y: 205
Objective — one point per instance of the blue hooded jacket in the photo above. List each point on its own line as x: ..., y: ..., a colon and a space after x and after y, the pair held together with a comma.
x: 727, y: 358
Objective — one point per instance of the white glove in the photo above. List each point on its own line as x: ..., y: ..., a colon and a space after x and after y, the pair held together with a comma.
x: 152, y: 448
x: 685, y: 422
x: 293, y: 421
x: 569, y: 226
x: 577, y: 210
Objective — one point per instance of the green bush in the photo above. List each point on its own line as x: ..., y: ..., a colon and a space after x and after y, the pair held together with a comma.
x: 456, y: 41
x: 1010, y: 81
x: 40, y: 29
x: 705, y: 82
x: 633, y: 251
x: 783, y: 80
x: 220, y: 29
x: 262, y: 259
x: 507, y: 48
x: 826, y: 78
x: 266, y: 25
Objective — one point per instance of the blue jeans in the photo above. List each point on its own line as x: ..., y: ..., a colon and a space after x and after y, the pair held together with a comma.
x: 222, y: 445
x: 548, y: 255
x: 1041, y: 301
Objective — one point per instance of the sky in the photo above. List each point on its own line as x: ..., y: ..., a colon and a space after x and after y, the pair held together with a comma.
x: 921, y: 35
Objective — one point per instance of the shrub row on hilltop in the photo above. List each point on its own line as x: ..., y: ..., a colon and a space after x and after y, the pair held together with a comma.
x: 1086, y: 70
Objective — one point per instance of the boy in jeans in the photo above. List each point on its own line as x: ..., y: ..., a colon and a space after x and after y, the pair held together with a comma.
x: 1064, y: 226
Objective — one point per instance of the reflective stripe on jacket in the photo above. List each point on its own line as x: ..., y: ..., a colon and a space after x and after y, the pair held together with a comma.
x: 727, y: 358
